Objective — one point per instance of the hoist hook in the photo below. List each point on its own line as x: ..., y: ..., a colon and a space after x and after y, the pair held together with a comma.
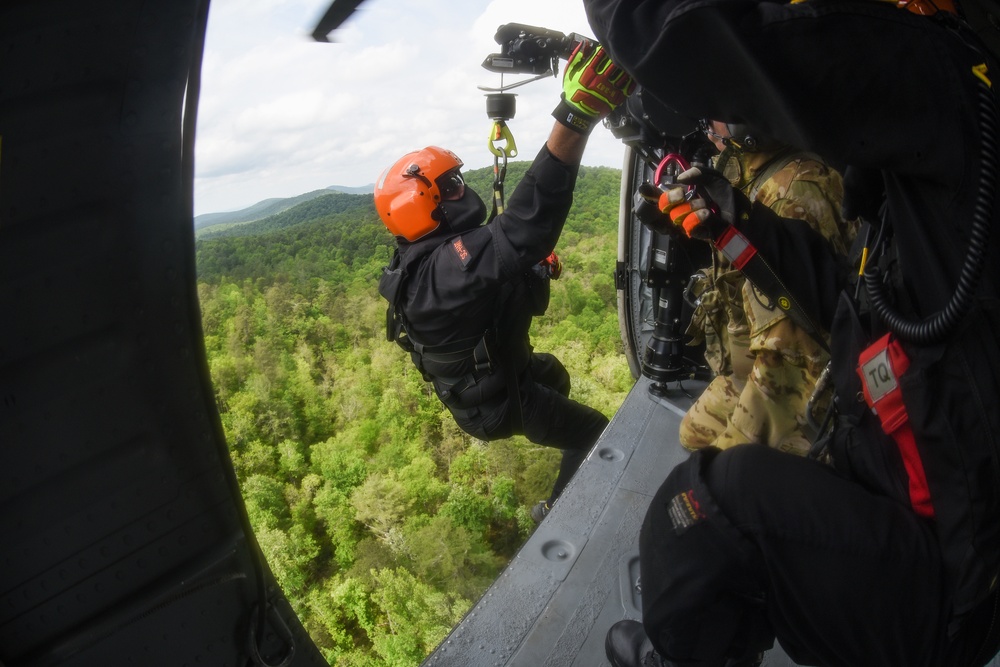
x: 500, y: 132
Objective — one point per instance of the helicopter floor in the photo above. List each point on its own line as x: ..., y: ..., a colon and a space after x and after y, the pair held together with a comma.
x: 578, y: 573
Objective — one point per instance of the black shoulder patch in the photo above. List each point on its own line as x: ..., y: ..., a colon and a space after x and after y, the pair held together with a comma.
x: 685, y: 511
x: 464, y: 257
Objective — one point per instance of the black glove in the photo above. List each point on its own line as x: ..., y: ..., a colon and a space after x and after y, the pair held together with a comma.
x: 703, y: 203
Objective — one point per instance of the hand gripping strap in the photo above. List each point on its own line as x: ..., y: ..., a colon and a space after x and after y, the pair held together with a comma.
x: 880, y: 367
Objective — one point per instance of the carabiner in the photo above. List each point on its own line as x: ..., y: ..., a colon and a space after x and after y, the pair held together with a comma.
x: 694, y: 283
x: 499, y: 174
x: 499, y: 132
x: 669, y: 168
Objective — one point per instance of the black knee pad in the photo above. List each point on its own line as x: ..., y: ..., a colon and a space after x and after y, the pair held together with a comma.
x: 703, y: 585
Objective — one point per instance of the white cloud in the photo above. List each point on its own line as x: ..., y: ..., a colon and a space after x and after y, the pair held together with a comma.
x: 281, y: 114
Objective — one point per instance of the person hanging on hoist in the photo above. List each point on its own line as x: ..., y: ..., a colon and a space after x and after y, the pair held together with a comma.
x: 891, y: 556
x: 462, y: 294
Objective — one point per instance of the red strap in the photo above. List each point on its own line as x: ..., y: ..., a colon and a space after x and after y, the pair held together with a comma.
x: 737, y: 249
x: 880, y: 367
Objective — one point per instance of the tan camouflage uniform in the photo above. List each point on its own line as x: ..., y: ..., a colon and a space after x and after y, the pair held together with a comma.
x: 766, y: 365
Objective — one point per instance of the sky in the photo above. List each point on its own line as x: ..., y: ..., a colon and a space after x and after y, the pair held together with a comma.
x: 280, y: 114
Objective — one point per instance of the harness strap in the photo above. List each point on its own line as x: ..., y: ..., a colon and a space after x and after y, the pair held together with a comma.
x: 880, y: 367
x: 514, y: 398
x: 744, y: 256
x: 480, y: 350
x: 499, y: 174
x: 458, y: 350
x: 484, y: 351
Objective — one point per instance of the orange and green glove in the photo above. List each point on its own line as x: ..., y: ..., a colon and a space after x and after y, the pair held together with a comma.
x: 592, y: 87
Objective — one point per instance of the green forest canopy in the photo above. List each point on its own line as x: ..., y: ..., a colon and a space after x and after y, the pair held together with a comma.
x: 382, y: 521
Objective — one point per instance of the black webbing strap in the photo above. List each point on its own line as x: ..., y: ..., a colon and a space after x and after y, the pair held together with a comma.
x: 389, y: 286
x: 744, y: 257
x: 514, y: 397
x: 459, y: 350
x: 484, y: 350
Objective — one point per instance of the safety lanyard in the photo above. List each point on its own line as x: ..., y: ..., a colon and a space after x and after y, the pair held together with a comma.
x: 500, y: 133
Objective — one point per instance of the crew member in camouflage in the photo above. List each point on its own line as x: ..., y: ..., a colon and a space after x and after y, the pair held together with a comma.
x: 766, y: 365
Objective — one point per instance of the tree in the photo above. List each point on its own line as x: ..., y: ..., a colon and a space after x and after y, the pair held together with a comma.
x: 381, y: 504
x: 414, y: 617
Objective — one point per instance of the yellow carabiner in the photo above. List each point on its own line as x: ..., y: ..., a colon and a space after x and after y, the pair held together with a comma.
x: 499, y: 132
x: 981, y: 72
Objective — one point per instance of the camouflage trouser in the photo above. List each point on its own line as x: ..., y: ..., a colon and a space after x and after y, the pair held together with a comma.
x: 718, y: 320
x: 709, y: 415
x: 770, y: 408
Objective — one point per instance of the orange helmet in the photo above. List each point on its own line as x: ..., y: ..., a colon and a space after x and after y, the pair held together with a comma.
x: 407, y: 194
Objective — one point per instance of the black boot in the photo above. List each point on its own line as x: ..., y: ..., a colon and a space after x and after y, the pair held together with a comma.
x: 540, y: 510
x: 628, y: 646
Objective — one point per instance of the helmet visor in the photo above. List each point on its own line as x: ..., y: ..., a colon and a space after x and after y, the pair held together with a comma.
x: 452, y: 185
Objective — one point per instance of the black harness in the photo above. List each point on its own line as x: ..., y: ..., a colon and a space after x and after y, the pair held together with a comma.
x: 457, y: 367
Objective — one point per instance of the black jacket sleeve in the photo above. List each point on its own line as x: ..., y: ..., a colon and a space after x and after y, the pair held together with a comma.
x: 528, y: 229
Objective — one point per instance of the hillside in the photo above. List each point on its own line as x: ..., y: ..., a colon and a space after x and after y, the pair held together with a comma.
x: 268, y: 207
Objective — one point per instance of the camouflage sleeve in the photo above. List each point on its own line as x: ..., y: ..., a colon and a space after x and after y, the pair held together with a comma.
x: 809, y: 190
x: 709, y: 416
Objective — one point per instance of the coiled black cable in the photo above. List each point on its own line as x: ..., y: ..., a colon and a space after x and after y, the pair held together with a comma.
x: 940, y: 325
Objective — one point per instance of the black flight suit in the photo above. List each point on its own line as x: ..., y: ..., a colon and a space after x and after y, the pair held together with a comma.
x: 748, y: 544
x: 478, y: 290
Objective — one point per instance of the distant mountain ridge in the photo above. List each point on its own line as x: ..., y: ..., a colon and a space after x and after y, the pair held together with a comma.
x: 317, y: 209
x: 272, y: 215
x: 269, y: 207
